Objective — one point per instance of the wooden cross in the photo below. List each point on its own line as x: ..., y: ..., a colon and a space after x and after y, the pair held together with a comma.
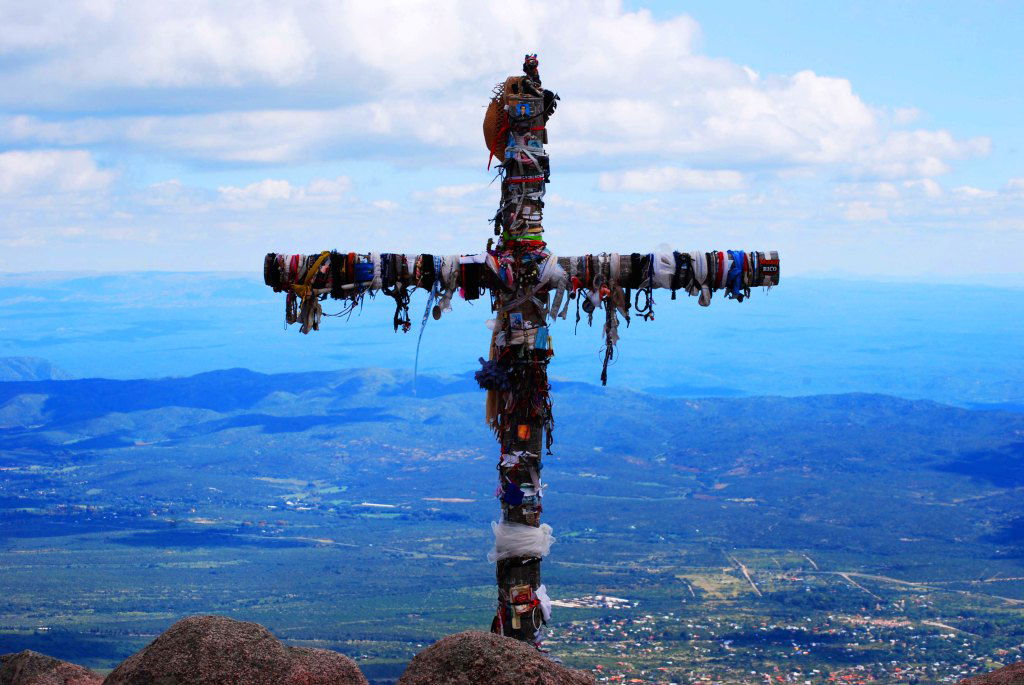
x: 529, y: 289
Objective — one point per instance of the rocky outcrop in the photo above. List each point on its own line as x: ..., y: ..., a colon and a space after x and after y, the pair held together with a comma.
x: 33, y: 668
x: 476, y: 657
x: 1008, y: 675
x: 214, y: 650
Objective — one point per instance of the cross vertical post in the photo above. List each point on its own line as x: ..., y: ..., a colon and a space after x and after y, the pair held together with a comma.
x: 529, y: 288
x: 519, y: 405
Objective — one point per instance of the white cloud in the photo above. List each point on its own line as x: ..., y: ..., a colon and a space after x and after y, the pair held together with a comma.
x: 259, y: 194
x: 864, y: 211
x: 125, y: 44
x: 927, y: 186
x: 879, y: 190
x: 354, y: 78
x: 385, y: 129
x: 454, y: 192
x: 974, y: 193
x: 664, y: 179
x: 887, y: 190
x: 256, y: 136
x: 326, y: 188
x: 49, y: 172
x: 918, y: 153
x: 278, y: 87
x: 906, y: 115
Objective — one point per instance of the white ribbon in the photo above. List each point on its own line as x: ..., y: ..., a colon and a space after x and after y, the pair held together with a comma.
x: 375, y: 283
x: 700, y: 277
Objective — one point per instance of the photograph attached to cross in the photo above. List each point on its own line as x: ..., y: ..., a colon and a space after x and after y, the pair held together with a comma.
x: 530, y: 289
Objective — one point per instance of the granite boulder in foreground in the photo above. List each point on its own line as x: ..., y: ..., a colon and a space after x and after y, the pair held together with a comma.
x: 475, y: 657
x: 1008, y: 675
x: 214, y: 650
x: 33, y: 668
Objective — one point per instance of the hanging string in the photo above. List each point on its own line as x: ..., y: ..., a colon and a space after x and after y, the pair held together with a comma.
x: 611, y: 333
x: 400, y: 294
x: 646, y: 310
x: 434, y: 289
x: 579, y: 299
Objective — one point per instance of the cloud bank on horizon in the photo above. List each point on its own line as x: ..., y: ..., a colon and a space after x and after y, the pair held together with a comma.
x: 199, y: 135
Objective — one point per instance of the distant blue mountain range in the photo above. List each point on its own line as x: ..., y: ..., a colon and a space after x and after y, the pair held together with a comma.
x: 953, y: 344
x: 30, y: 369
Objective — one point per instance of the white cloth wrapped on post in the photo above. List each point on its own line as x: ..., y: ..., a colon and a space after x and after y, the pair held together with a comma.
x: 519, y: 540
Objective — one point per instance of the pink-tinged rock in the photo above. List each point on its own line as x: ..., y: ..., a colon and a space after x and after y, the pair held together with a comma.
x: 1008, y: 675
x: 214, y: 650
x: 476, y: 657
x: 33, y: 668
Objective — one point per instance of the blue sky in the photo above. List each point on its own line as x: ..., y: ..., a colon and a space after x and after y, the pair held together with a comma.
x: 956, y: 61
x: 876, y: 140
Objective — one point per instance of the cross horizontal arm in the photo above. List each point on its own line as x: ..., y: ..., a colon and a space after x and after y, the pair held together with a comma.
x: 349, y: 276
